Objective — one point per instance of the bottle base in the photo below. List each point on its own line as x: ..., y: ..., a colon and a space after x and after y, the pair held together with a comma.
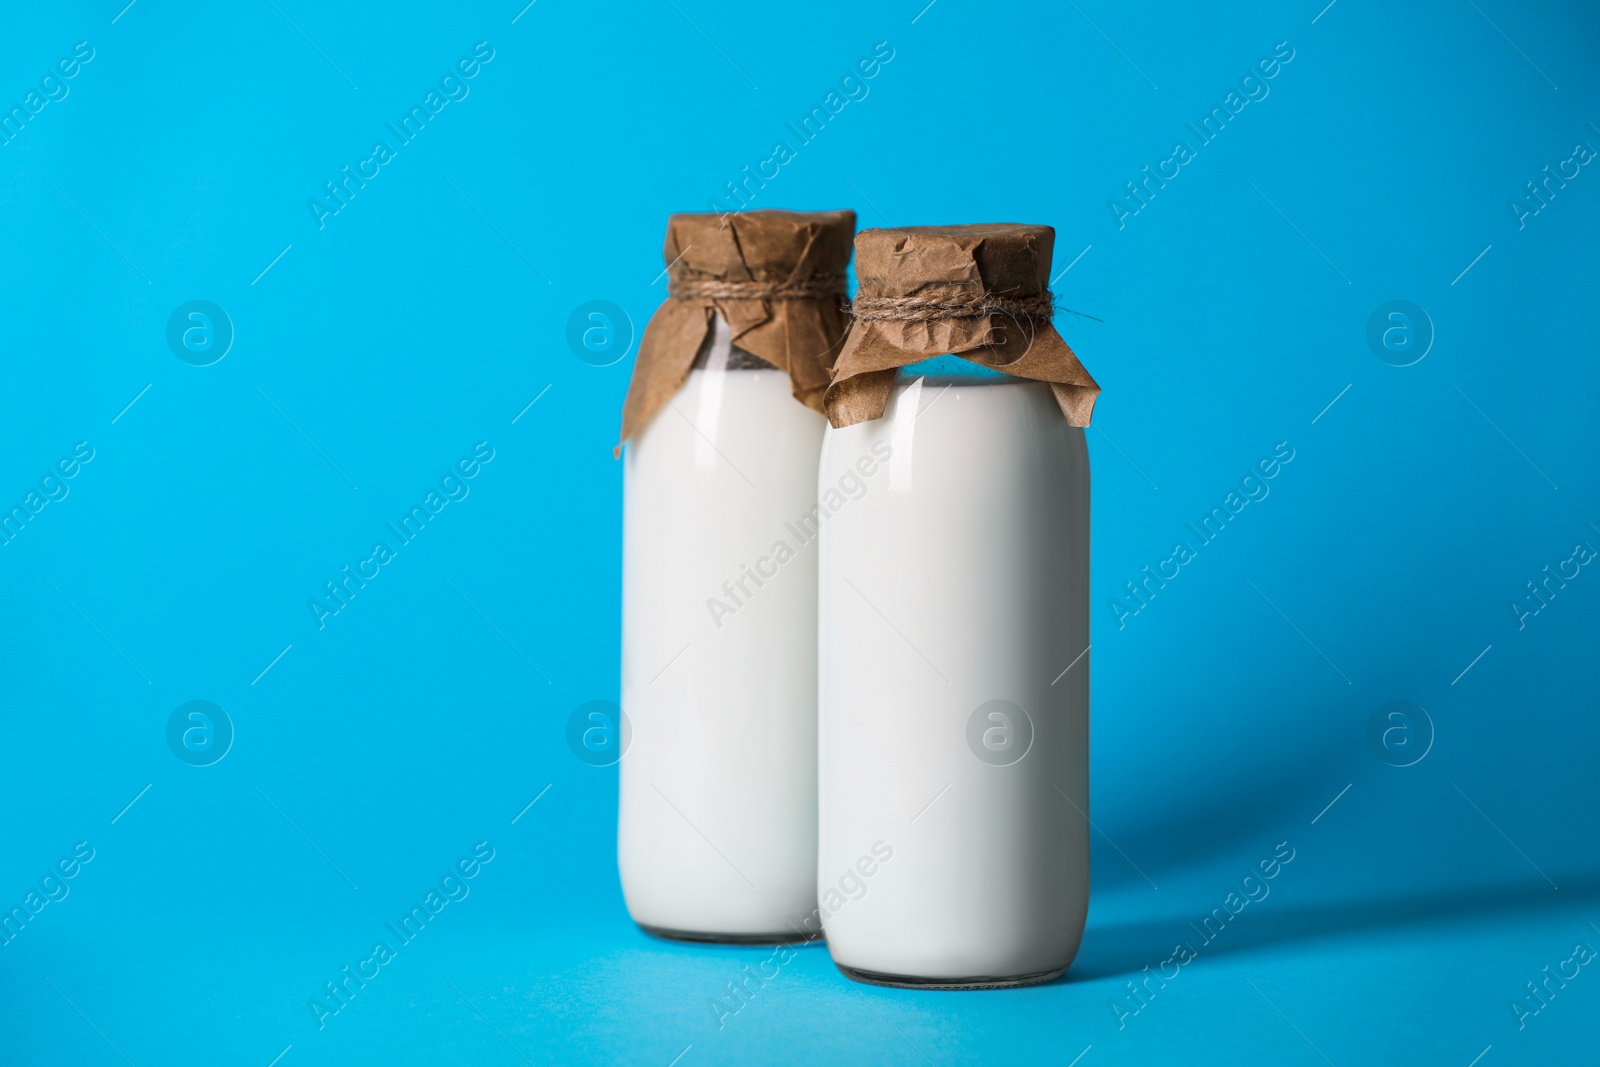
x: 788, y: 937
x: 904, y: 981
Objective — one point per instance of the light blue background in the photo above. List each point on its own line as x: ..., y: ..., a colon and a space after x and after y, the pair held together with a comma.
x: 432, y: 309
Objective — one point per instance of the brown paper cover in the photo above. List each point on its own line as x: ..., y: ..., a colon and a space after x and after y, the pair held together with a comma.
x: 953, y: 266
x: 801, y: 336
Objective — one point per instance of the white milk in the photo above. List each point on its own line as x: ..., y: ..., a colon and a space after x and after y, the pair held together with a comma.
x: 960, y: 579
x: 717, y: 834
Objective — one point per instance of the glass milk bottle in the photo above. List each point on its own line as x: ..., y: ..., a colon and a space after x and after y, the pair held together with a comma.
x: 716, y: 836
x: 954, y: 619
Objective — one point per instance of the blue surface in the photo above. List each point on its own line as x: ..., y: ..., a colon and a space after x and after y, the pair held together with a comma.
x: 375, y: 347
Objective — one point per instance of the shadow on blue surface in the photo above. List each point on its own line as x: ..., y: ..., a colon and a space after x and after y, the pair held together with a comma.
x: 1127, y: 948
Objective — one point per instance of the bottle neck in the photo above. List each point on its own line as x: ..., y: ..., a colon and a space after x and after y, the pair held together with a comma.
x: 718, y: 353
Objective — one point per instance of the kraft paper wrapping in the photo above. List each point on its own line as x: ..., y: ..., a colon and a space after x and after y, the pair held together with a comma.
x: 972, y: 291
x: 777, y: 277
